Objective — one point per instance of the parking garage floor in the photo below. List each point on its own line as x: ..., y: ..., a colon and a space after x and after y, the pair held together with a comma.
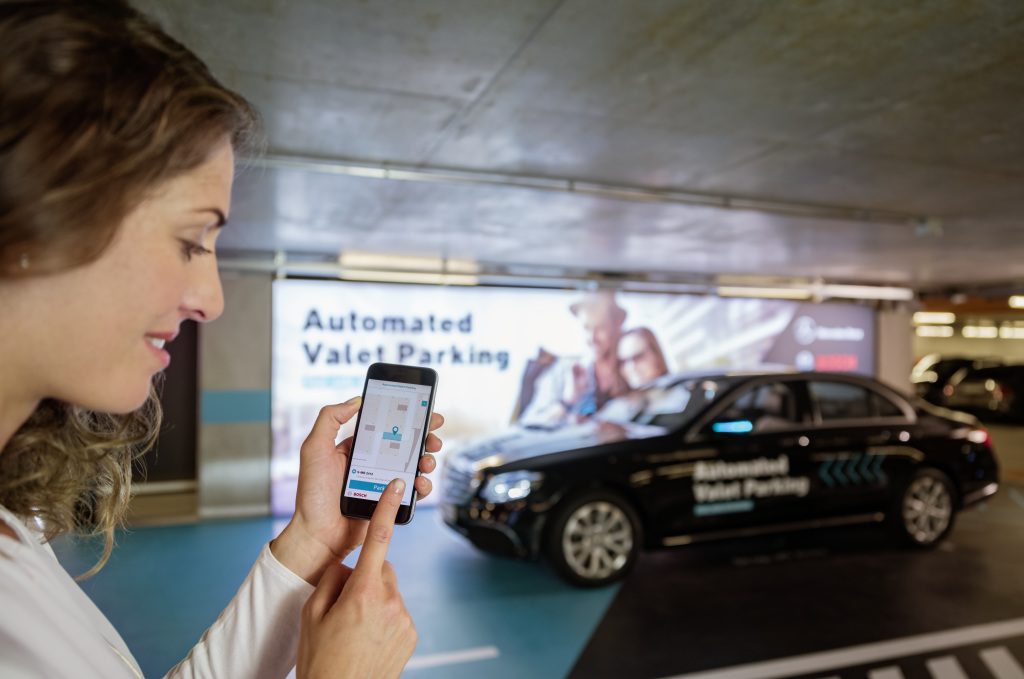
x: 843, y: 603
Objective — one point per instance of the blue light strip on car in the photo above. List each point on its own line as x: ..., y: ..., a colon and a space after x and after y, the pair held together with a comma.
x: 737, y: 427
x: 716, y: 508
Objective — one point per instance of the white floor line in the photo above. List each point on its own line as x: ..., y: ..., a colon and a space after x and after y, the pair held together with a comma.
x: 1001, y: 663
x: 419, y: 662
x: 886, y: 673
x: 866, y: 653
x: 946, y: 667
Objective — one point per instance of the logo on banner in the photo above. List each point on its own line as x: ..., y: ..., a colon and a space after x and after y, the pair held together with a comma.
x: 807, y: 331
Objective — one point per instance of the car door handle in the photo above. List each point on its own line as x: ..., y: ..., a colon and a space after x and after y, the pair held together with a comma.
x: 880, y: 438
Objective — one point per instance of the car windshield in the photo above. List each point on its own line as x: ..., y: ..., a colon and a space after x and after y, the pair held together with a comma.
x: 668, y: 405
x: 933, y: 368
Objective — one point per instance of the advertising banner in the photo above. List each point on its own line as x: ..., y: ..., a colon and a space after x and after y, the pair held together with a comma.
x: 521, y: 357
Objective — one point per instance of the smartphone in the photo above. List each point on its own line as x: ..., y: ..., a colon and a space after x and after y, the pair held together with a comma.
x: 391, y: 433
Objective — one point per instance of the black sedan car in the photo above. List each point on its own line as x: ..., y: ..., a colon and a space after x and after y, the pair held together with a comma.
x: 704, y: 457
x: 934, y: 376
x: 994, y: 393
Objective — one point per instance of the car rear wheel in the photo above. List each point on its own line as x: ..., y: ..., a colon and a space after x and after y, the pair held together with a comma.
x: 927, y: 508
x: 594, y: 538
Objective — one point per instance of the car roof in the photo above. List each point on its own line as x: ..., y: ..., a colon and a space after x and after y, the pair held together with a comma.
x: 737, y: 377
x: 1015, y: 370
x: 741, y: 375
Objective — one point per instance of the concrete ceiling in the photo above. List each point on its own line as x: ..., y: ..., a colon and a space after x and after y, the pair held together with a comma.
x: 912, y: 110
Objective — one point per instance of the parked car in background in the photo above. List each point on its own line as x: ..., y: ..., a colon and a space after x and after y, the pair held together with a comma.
x: 712, y: 456
x: 931, y: 375
x: 992, y: 393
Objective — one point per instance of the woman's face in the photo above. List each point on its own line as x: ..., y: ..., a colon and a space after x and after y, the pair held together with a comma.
x: 97, y: 331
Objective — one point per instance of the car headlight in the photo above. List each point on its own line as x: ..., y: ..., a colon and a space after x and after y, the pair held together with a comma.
x: 510, y: 486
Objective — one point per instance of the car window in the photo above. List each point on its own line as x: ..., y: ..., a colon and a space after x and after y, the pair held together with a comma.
x: 845, y: 401
x: 661, y: 405
x: 886, y: 408
x: 768, y: 407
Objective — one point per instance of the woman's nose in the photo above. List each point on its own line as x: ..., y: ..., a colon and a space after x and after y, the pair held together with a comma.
x: 205, y: 298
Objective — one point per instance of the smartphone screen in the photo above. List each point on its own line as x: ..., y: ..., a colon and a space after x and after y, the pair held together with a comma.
x: 389, y: 438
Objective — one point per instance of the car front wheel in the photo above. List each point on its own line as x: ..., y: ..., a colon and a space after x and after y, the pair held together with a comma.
x: 594, y: 538
x: 926, y: 508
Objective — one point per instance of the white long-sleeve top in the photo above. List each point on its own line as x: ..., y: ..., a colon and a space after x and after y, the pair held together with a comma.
x: 50, y: 628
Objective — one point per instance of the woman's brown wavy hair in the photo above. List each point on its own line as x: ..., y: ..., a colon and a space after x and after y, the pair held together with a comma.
x: 98, y: 106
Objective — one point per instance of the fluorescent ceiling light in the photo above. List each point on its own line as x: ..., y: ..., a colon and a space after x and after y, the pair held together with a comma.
x: 1010, y: 332
x: 934, y: 318
x: 419, y: 277
x: 935, y: 331
x: 980, y: 331
x: 351, y: 259
x: 770, y: 293
x: 1017, y: 302
x: 456, y: 265
x: 868, y: 292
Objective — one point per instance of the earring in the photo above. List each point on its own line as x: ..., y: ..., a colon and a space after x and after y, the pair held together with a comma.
x: 23, y: 261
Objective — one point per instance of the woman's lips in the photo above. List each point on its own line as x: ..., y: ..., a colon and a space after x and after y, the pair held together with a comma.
x: 156, y: 346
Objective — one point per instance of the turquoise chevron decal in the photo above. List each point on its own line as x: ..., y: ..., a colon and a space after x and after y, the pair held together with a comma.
x: 854, y: 470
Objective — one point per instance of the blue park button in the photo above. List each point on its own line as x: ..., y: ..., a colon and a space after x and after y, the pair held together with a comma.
x: 366, y: 485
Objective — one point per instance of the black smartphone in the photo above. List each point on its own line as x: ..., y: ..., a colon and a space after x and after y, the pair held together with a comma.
x: 390, y: 436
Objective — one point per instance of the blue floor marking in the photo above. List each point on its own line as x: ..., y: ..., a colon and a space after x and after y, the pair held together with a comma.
x: 164, y: 585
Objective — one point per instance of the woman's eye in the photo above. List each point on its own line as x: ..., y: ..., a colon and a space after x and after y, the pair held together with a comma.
x: 190, y: 249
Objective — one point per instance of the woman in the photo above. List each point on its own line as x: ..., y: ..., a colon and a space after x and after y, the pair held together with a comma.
x: 117, y: 155
x: 641, y: 357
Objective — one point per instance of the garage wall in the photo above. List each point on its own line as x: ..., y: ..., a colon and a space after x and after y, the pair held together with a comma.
x: 895, y: 348
x: 234, y: 383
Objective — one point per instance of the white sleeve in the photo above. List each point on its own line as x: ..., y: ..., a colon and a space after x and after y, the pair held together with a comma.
x: 257, y: 635
x: 18, y: 663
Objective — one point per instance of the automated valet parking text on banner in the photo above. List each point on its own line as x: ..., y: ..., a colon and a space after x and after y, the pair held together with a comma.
x: 488, y: 346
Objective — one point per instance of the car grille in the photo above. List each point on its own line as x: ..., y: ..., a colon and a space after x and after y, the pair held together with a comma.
x: 459, y: 485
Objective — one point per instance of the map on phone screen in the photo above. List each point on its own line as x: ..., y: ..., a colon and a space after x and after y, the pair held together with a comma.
x: 387, y: 444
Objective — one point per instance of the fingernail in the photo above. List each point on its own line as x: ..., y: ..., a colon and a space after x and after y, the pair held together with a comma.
x: 399, y: 486
x: 352, y: 401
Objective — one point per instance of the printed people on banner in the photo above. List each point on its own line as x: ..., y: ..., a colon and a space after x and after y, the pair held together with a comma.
x: 640, y: 357
x: 562, y: 390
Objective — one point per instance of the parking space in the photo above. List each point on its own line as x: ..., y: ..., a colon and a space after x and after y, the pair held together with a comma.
x: 745, y: 605
x: 476, y: 615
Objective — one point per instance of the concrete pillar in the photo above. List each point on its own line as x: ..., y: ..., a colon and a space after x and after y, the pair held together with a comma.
x: 234, y: 401
x: 895, y: 348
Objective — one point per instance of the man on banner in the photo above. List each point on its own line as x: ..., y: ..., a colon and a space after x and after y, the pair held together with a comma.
x: 558, y: 391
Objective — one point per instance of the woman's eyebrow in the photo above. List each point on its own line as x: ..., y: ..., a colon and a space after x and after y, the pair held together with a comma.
x: 221, y: 219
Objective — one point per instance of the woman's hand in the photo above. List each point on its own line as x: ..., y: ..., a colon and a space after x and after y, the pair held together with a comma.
x: 318, y: 532
x: 355, y: 623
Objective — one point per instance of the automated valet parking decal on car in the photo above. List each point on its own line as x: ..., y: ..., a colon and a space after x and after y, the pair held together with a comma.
x: 721, y: 487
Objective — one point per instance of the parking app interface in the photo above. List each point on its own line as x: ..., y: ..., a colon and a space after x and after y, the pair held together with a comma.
x: 387, y: 445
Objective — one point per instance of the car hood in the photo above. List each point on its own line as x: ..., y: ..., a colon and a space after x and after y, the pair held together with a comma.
x: 519, y: 443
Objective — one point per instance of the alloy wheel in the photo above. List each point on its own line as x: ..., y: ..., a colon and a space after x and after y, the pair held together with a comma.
x: 597, y: 540
x: 927, y: 509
